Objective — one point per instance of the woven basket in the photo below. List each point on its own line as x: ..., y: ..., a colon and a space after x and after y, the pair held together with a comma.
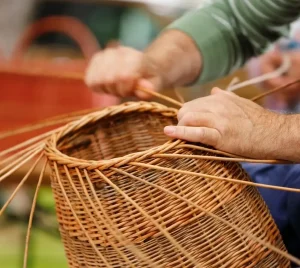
x: 126, y: 196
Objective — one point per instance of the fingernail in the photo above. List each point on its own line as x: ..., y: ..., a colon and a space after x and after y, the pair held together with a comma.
x: 169, y: 130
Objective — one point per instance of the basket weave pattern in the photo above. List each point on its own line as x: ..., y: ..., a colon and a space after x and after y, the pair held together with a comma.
x: 120, y: 203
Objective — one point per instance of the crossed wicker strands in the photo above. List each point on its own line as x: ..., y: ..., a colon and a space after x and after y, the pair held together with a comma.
x: 147, y: 208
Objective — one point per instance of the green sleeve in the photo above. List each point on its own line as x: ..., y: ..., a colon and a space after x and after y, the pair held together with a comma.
x: 229, y: 32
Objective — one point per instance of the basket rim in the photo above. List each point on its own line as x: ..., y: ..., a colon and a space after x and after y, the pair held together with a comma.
x: 54, y: 154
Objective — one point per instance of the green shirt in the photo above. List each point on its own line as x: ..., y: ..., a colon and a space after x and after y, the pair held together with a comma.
x: 229, y: 32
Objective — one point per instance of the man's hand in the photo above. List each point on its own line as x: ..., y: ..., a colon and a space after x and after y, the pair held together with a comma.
x: 120, y: 70
x: 232, y: 124
x: 272, y: 61
x: 171, y: 60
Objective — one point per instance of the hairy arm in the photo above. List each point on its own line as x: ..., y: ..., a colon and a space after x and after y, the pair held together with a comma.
x: 236, y: 125
x: 214, y: 40
x: 287, y: 145
x: 177, y: 58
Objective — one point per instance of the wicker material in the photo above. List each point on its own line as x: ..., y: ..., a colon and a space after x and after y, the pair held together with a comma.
x: 122, y: 200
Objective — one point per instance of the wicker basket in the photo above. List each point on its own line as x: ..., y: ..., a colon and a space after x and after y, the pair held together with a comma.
x: 126, y: 196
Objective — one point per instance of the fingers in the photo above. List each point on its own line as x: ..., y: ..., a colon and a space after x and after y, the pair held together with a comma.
x: 271, y: 61
x: 196, y: 127
x: 214, y: 102
x: 143, y: 83
x: 108, y: 72
x: 198, y: 105
x: 118, y: 71
x: 203, y: 120
x: 194, y: 119
x: 208, y: 136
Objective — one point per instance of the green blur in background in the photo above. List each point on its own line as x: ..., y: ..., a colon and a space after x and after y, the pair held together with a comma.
x: 45, y: 247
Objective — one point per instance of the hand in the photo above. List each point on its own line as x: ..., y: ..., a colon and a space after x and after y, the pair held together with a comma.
x: 231, y: 124
x: 273, y: 60
x: 172, y: 60
x: 120, y: 71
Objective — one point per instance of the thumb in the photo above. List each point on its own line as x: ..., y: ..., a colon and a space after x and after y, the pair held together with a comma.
x: 150, y: 84
x: 208, y: 136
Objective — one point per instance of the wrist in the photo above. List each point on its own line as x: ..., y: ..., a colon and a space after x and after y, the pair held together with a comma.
x: 176, y: 57
x: 287, y: 144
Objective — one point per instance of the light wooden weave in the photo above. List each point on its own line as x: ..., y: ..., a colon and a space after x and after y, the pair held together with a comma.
x: 127, y: 196
x: 110, y: 176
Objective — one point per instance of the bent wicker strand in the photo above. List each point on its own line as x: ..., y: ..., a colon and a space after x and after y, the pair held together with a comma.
x: 285, y: 66
x: 275, y: 90
x: 213, y: 216
x: 21, y: 183
x: 126, y: 196
x: 137, y: 156
x: 41, y: 177
x: 107, y: 220
x: 153, y: 221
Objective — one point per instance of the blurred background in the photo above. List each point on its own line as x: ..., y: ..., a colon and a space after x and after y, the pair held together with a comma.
x: 39, y: 36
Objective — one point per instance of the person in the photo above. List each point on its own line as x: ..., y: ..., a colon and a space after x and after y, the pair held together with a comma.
x: 284, y: 207
x: 199, y: 47
x: 189, y: 51
x: 288, y: 100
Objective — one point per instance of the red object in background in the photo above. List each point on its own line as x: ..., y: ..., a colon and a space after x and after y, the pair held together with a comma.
x: 28, y: 95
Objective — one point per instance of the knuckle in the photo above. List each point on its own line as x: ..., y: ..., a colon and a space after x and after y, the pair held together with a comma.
x: 180, y: 113
x: 223, y: 126
x: 183, y: 132
x: 201, y: 133
x: 186, y: 117
x: 189, y: 118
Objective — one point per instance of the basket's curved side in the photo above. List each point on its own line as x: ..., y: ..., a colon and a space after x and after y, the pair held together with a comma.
x: 167, y: 204
x: 177, y: 211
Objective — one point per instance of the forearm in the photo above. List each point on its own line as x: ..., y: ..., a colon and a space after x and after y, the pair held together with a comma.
x: 229, y: 32
x: 285, y: 143
x: 177, y: 58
